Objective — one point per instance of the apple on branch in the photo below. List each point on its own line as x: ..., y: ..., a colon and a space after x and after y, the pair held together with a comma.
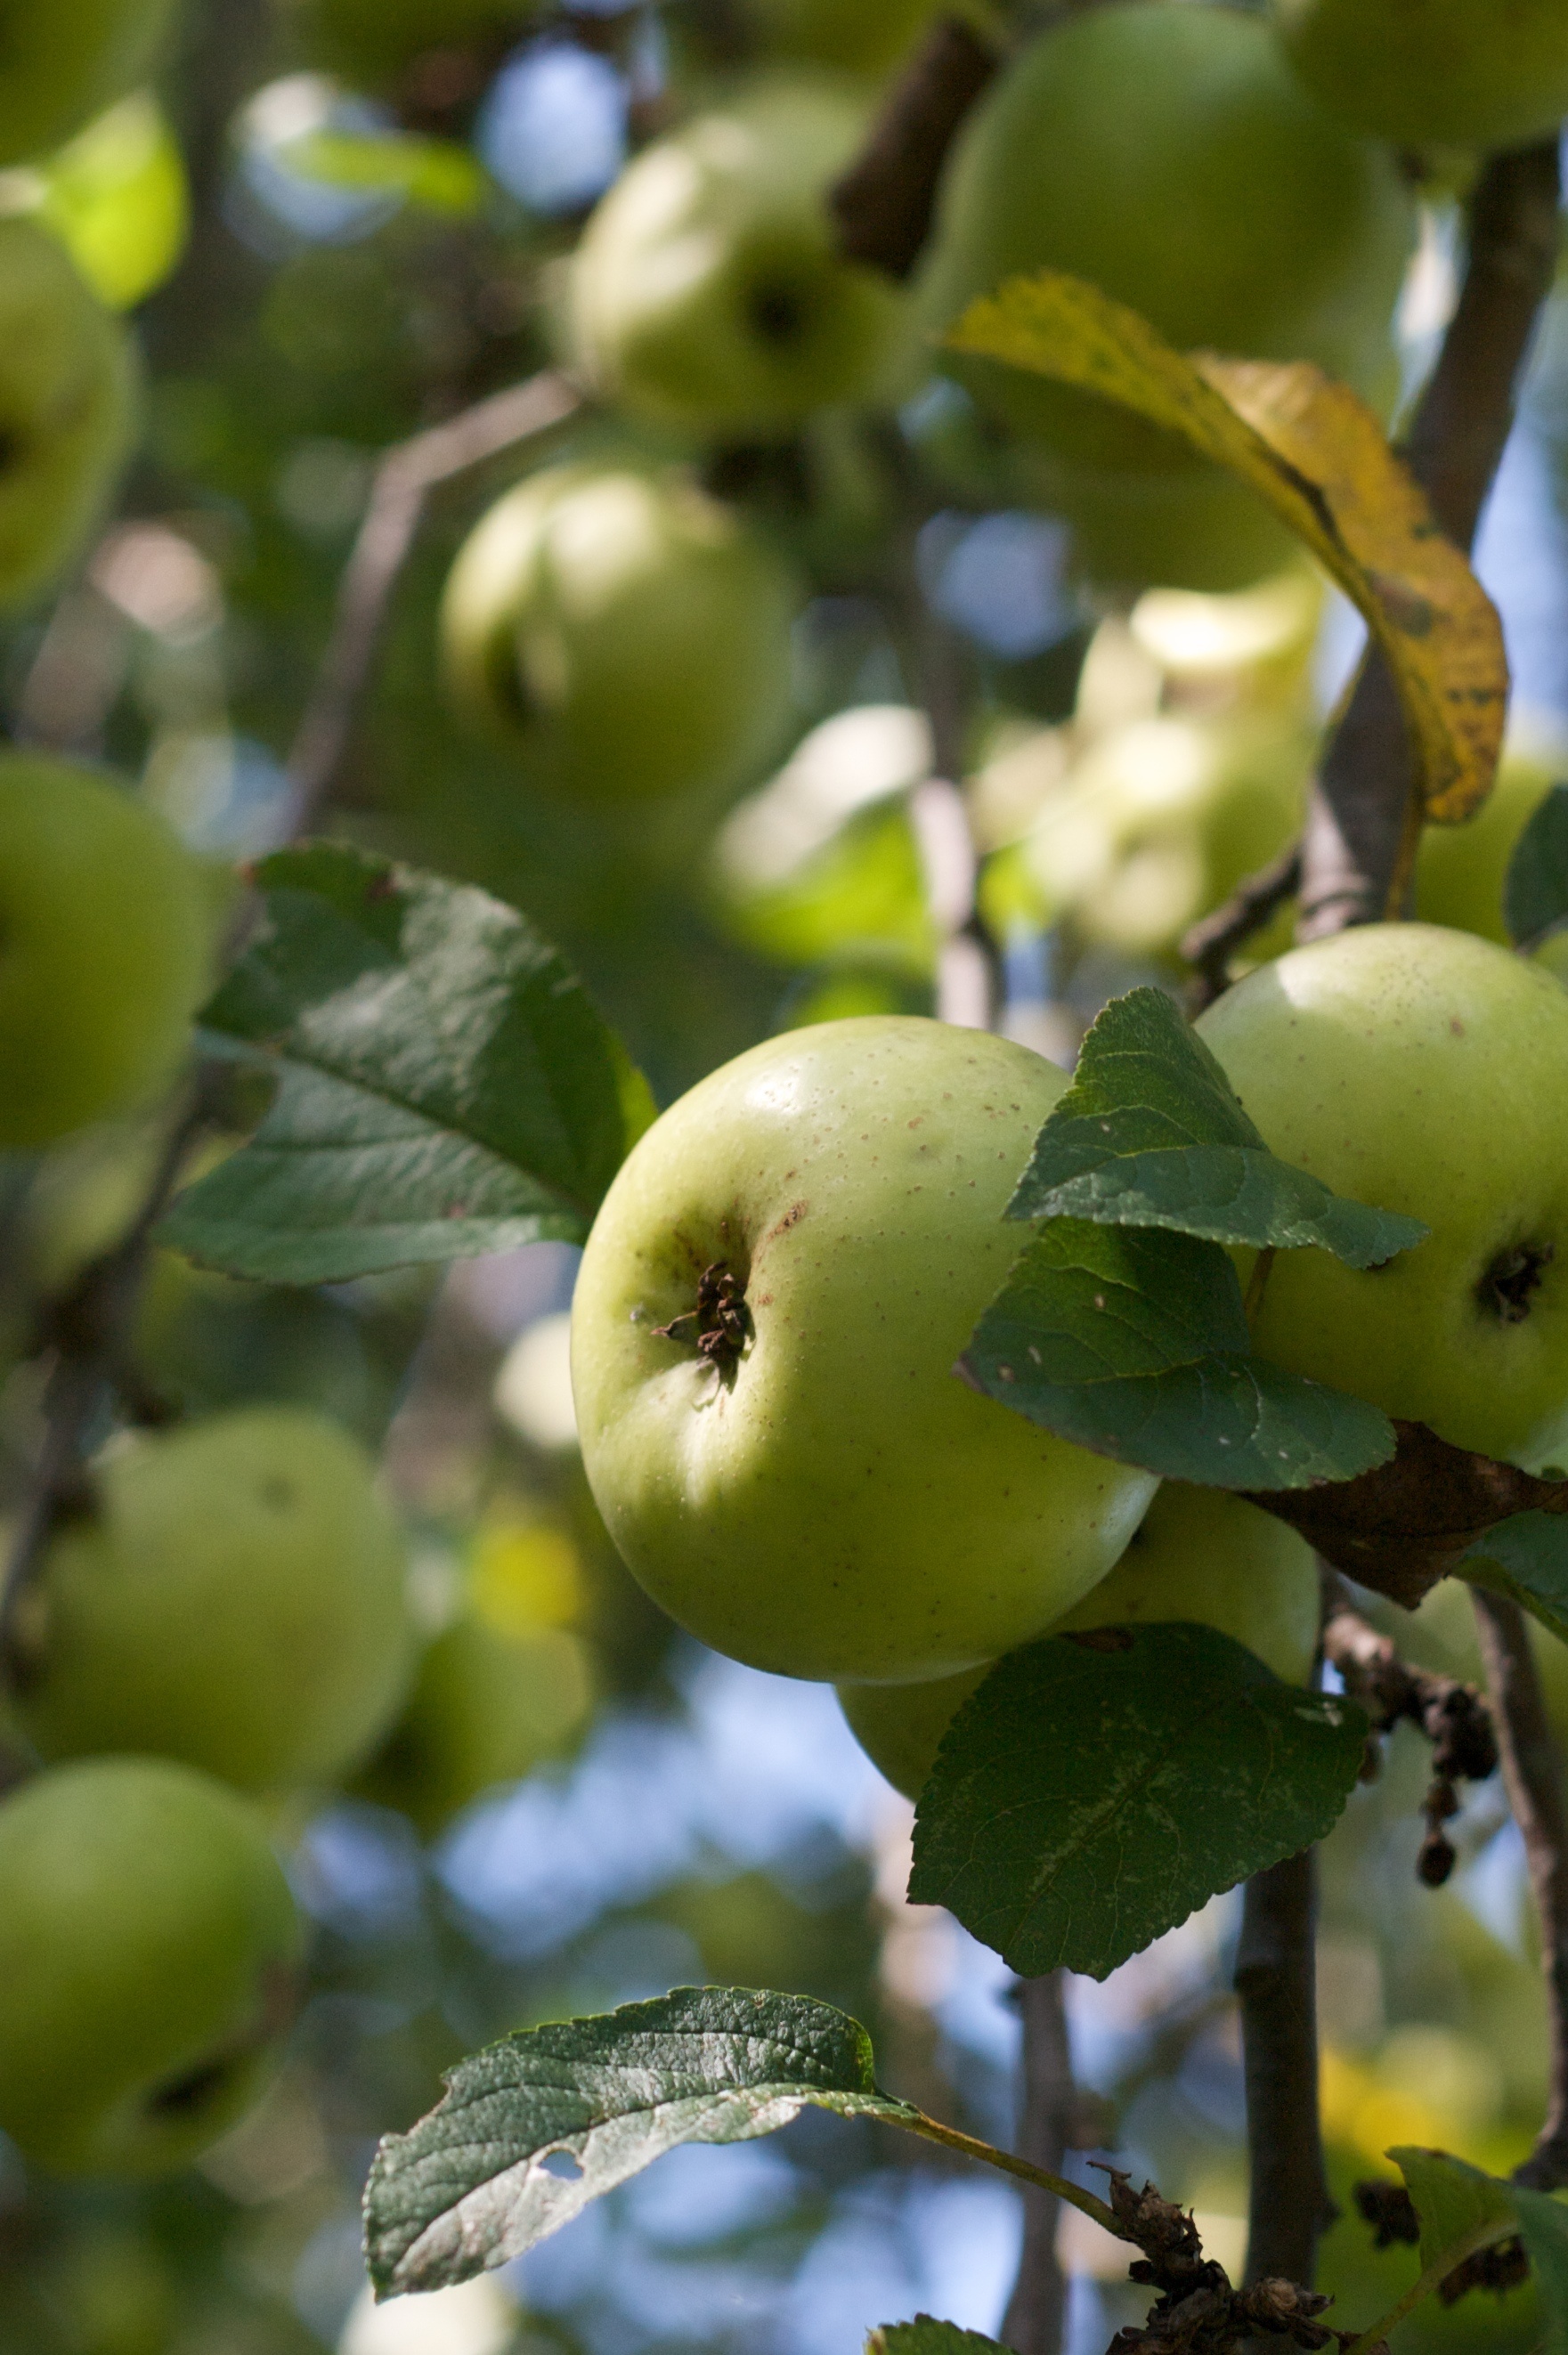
x: 765, y: 1327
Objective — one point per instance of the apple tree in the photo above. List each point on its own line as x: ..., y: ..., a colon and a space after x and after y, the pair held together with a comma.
x: 694, y: 633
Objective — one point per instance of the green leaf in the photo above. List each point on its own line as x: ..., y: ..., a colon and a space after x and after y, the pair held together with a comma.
x: 926, y: 2336
x: 1525, y: 1558
x: 444, y: 1085
x: 472, y: 2185
x: 1133, y: 1341
x: 1535, y: 892
x: 1544, y: 2227
x: 436, y: 175
x: 1085, y: 1799
x: 1454, y: 2201
x: 863, y: 889
x: 1150, y: 1134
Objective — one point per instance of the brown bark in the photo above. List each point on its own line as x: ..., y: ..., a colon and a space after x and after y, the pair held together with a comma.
x: 1275, y: 1965
x: 1036, y: 2308
x: 884, y: 203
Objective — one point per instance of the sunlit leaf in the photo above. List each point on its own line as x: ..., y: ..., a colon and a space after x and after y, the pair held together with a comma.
x: 436, y: 175
x: 1317, y: 456
x: 536, y: 2126
x: 1150, y: 1134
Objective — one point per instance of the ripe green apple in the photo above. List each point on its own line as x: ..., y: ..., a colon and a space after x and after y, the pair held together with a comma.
x: 1161, y: 819
x: 1169, y: 155
x: 764, y: 1338
x: 105, y: 949
x: 1199, y: 1555
x: 69, y: 393
x: 865, y: 37
x: 486, y: 1709
x: 1427, y: 1071
x: 627, y: 633
x: 707, y: 292
x: 1461, y: 870
x: 63, y: 65
x: 149, y: 1951
x: 1453, y: 74
x: 238, y: 1601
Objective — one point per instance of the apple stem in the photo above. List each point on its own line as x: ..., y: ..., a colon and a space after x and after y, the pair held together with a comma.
x: 404, y: 478
x: 884, y: 202
x: 1362, y: 832
x: 1532, y: 1776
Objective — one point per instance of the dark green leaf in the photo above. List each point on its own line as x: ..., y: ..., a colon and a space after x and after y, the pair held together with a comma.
x: 1525, y: 1558
x: 1150, y: 1134
x: 1086, y: 1799
x: 472, y: 2185
x: 926, y: 2336
x: 1544, y: 2227
x: 1454, y: 2201
x: 1535, y: 894
x: 1133, y: 1341
x: 445, y: 1086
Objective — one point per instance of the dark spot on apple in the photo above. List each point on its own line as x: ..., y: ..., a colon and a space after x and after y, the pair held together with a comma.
x: 1510, y: 1282
x: 276, y: 1495
x: 777, y: 313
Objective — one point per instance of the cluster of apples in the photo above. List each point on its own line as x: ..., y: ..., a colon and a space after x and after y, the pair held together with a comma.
x: 784, y: 1273
x: 224, y: 1619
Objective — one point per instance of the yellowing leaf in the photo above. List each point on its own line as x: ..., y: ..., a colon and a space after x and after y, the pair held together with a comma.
x: 117, y: 197
x: 1317, y: 455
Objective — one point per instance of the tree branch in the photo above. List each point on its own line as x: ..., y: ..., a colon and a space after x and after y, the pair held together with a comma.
x: 1208, y: 947
x: 404, y: 480
x: 1290, y: 2204
x: 1532, y: 1775
x: 1360, y: 829
x: 86, y: 1331
x: 884, y: 202
x: 1038, y: 2305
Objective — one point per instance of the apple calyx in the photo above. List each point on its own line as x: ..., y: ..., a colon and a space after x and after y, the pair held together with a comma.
x: 1512, y: 1278
x: 719, y: 1324
x: 282, y: 1993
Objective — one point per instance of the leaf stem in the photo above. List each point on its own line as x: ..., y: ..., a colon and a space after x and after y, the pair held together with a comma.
x: 1010, y: 2164
x: 1436, y: 2272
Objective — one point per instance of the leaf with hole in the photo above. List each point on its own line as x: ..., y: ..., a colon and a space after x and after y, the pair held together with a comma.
x: 534, y: 2128
x: 444, y: 1085
x: 1133, y: 1341
x: 1535, y: 890
x: 1092, y: 1793
x: 1320, y: 459
x: 1150, y: 1134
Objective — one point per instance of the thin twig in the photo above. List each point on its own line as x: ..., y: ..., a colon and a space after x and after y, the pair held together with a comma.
x: 1038, y: 2305
x: 1532, y: 1775
x: 1208, y: 947
x: 404, y: 480
x: 883, y: 204
x: 86, y: 1330
x: 1360, y: 832
x: 1276, y: 1973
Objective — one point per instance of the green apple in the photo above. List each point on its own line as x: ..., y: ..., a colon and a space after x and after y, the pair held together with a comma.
x: 707, y: 292
x: 1169, y: 155
x: 64, y: 65
x: 865, y: 37
x: 1199, y: 1555
x: 1461, y: 870
x: 486, y: 1709
x: 1427, y: 1071
x: 763, y: 1340
x: 70, y: 394
x: 149, y: 1951
x: 237, y: 1601
x: 629, y: 636
x: 1454, y: 73
x: 105, y: 949
x: 1159, y: 821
